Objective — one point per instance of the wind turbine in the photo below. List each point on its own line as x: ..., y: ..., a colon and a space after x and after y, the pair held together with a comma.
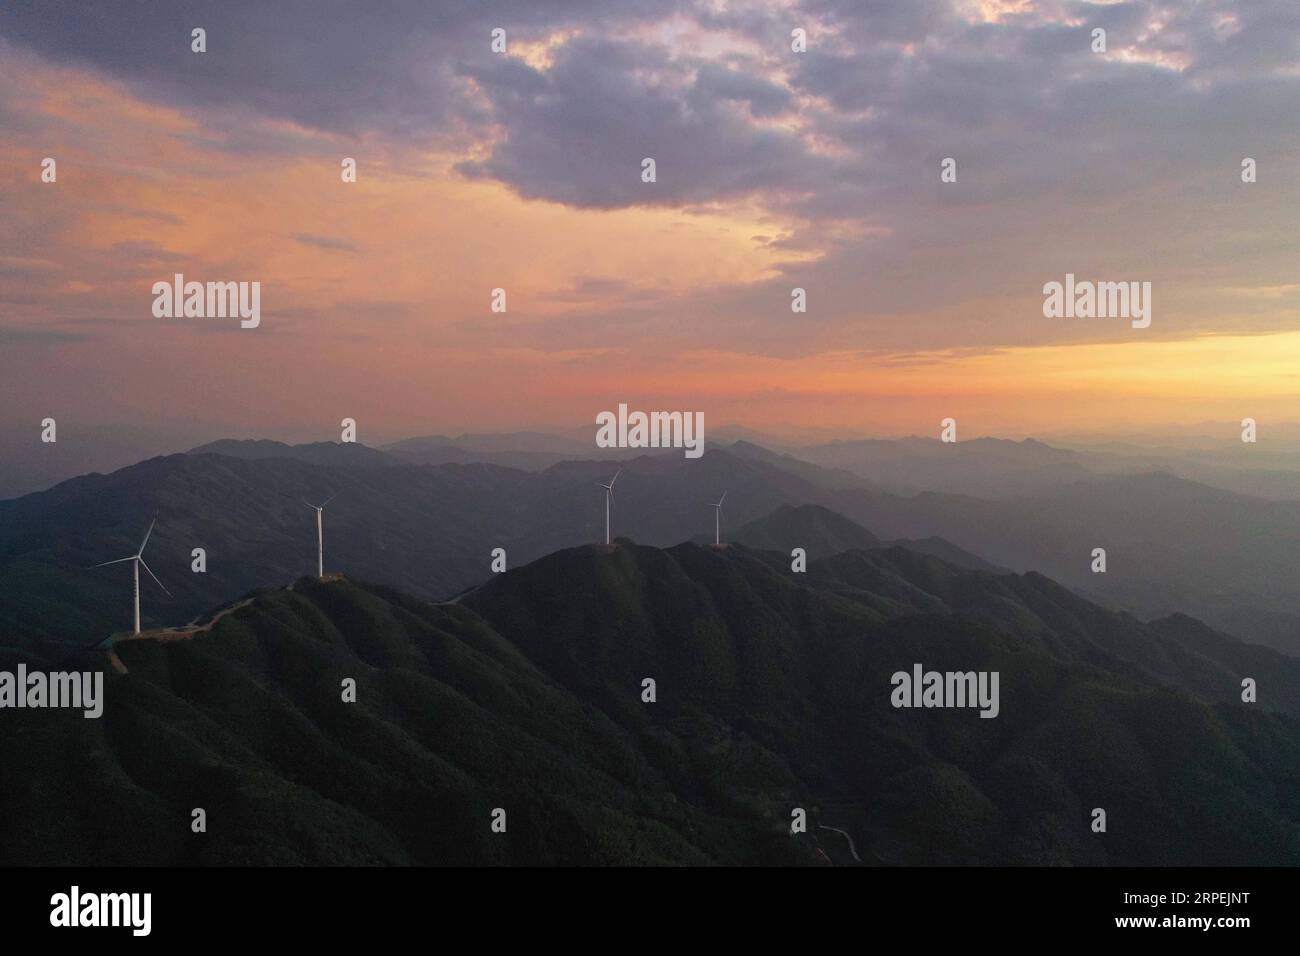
x: 609, y: 497
x: 717, y: 524
x: 138, y: 558
x: 320, y: 535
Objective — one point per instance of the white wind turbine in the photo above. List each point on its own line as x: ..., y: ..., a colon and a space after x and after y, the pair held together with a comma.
x: 609, y: 497
x: 138, y: 558
x: 320, y: 535
x: 717, y: 524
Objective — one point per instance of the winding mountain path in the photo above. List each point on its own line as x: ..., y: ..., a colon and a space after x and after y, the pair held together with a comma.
x: 852, y: 849
x: 170, y: 633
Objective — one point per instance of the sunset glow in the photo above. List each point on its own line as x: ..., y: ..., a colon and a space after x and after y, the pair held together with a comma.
x: 922, y: 303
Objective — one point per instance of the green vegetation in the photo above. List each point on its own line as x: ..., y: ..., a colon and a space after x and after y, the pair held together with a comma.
x: 773, y: 693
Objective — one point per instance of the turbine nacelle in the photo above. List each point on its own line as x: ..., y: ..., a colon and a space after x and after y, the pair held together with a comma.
x: 610, y: 487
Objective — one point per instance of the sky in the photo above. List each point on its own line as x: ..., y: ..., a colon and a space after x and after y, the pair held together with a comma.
x: 522, y: 170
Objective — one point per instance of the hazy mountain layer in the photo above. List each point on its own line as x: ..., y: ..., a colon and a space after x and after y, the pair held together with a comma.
x: 821, y: 532
x: 1172, y: 546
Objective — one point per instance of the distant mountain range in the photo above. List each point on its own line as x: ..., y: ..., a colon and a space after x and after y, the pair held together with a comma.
x: 772, y: 692
x: 335, y: 454
x: 999, y: 468
x: 1210, y: 454
x: 984, y: 467
x: 427, y: 529
x: 1172, y: 545
x: 529, y: 451
x: 822, y: 533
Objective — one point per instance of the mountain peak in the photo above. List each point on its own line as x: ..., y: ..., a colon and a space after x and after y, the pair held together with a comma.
x: 818, y: 530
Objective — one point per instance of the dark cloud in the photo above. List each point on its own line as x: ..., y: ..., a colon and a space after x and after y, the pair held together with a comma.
x: 714, y: 82
x: 577, y: 133
x: 885, y: 21
x: 335, y: 65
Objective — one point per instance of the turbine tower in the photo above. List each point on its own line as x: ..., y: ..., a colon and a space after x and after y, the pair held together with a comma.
x: 320, y: 535
x: 138, y: 559
x: 609, y: 497
x: 717, y: 524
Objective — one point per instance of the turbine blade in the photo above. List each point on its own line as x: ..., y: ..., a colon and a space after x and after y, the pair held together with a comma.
x: 615, y: 478
x: 114, y: 561
x: 310, y: 505
x: 329, y: 499
x: 146, y: 536
x: 611, y: 493
x: 722, y: 499
x: 154, y: 576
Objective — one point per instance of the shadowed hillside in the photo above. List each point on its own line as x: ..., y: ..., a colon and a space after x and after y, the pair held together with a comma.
x: 773, y: 692
x: 451, y: 721
x: 819, y: 531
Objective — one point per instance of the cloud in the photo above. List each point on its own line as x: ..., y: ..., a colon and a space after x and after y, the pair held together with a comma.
x: 14, y: 266
x: 17, y: 335
x: 325, y: 242
x: 146, y: 250
x: 1123, y: 165
x: 577, y: 132
x: 332, y: 65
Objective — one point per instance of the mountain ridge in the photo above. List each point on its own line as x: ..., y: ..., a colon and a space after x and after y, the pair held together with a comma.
x: 772, y: 692
x: 1172, y: 545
